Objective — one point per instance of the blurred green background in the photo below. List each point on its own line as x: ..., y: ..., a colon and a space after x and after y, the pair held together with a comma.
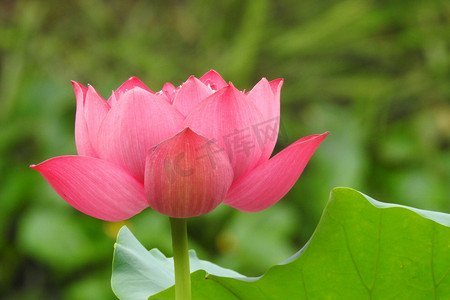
x: 376, y: 74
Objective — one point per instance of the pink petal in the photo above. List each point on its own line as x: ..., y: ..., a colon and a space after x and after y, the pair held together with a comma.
x: 82, y: 140
x: 138, y: 122
x: 276, y: 86
x: 214, y: 80
x: 270, y: 181
x: 163, y: 96
x: 94, y: 187
x: 112, y: 100
x: 266, y: 96
x: 131, y: 83
x: 187, y: 176
x: 229, y: 118
x: 95, y: 110
x: 169, y: 90
x: 190, y: 94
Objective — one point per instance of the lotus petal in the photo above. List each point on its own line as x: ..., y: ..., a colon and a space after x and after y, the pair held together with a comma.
x: 187, y: 176
x: 138, y: 122
x: 94, y: 187
x: 229, y: 118
x: 270, y: 181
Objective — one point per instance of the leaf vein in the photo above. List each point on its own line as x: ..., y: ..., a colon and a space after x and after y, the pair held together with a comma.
x: 347, y: 244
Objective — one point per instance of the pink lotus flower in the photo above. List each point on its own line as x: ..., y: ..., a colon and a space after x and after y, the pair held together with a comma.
x: 181, y: 151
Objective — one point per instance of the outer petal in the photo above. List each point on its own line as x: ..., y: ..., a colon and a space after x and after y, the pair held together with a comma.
x: 95, y: 110
x: 266, y: 96
x: 94, y: 187
x: 228, y: 118
x: 187, y: 176
x: 214, y: 80
x: 270, y: 181
x: 138, y: 122
x: 190, y: 94
x: 82, y: 140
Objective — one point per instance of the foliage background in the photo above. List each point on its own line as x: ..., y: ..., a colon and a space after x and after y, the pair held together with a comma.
x: 373, y: 73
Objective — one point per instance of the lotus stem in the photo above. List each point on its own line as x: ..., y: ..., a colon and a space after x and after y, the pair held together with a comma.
x: 181, y: 259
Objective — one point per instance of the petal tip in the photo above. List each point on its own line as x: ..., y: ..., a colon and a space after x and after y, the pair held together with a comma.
x: 276, y: 85
x: 324, y: 135
x: 278, y: 81
x: 132, y: 83
x: 91, y: 89
x: 75, y: 83
x: 187, y: 131
x: 78, y: 88
x: 230, y: 88
x: 315, y: 137
x: 213, y: 79
x: 211, y: 72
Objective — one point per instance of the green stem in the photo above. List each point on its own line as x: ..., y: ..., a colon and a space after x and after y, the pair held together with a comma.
x: 181, y: 259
